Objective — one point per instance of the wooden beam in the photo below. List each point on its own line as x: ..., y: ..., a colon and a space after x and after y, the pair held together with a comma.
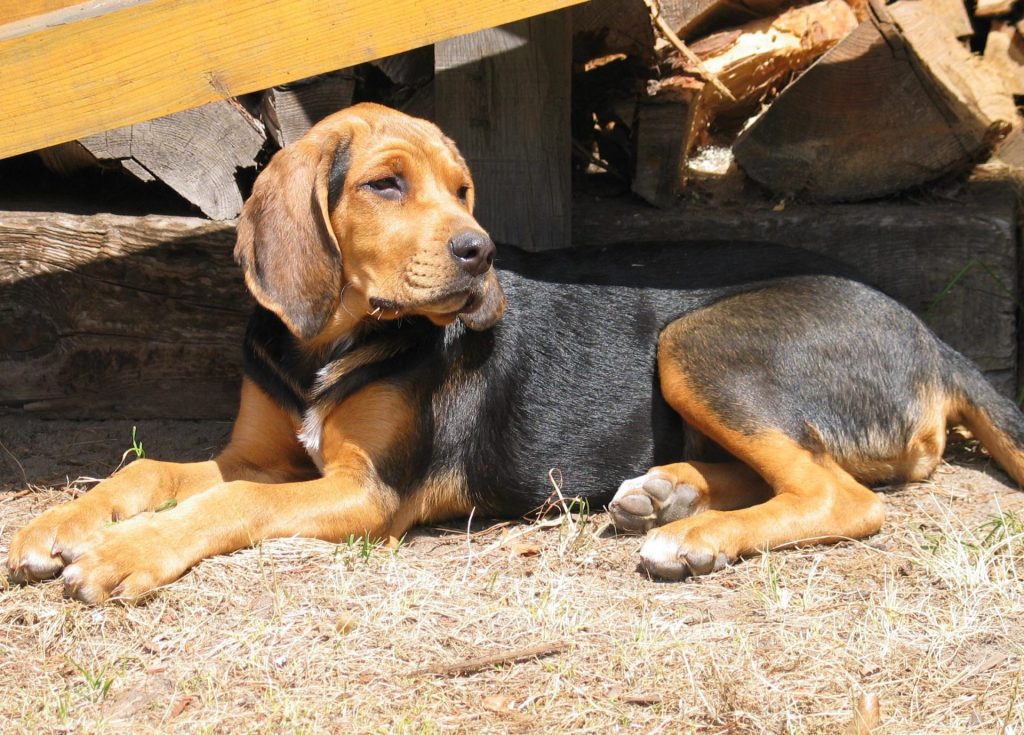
x: 954, y: 264
x: 109, y: 316
x: 502, y: 95
x: 106, y: 316
x: 134, y: 60
x: 12, y: 10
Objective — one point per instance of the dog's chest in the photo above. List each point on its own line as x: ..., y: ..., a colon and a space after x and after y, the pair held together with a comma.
x: 311, y: 435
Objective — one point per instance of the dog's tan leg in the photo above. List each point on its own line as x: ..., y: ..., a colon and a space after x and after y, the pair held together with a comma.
x: 815, y: 501
x: 263, y: 447
x: 129, y: 559
x: 674, y: 491
x: 42, y: 548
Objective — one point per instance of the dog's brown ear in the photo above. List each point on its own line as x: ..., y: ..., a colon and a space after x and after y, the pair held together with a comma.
x: 287, y: 249
x: 491, y: 308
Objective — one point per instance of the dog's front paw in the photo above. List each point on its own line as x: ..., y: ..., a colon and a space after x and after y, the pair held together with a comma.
x: 125, y: 562
x: 42, y: 548
x: 687, y: 547
x: 654, y: 499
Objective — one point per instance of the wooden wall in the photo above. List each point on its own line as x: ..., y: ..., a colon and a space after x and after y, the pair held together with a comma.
x: 108, y: 316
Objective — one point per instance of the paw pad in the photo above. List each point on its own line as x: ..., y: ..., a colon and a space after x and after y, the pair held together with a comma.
x: 654, y: 499
x: 664, y: 556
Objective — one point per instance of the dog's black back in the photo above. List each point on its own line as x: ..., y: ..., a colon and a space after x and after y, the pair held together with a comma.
x: 563, y: 391
x: 564, y: 388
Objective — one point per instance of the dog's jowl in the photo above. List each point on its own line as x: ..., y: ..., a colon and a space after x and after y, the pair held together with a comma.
x: 400, y: 370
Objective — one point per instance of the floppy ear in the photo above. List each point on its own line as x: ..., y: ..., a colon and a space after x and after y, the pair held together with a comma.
x: 287, y: 249
x: 491, y: 307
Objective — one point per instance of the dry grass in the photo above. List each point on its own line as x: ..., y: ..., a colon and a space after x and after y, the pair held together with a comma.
x: 303, y: 636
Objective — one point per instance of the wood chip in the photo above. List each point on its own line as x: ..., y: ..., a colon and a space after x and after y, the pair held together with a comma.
x: 482, y: 662
x: 499, y: 703
x: 524, y: 548
x: 180, y: 706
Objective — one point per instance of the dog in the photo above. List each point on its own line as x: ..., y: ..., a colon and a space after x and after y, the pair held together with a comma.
x: 394, y: 376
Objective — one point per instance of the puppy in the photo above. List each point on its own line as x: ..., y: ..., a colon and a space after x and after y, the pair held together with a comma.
x: 754, y: 393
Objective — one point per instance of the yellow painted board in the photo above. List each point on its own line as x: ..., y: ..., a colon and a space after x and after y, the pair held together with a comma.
x: 11, y: 10
x: 120, y: 62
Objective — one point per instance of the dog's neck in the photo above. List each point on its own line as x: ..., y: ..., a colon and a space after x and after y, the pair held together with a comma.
x: 301, y: 376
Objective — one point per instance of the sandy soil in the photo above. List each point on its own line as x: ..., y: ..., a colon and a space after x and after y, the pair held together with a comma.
x: 304, y: 636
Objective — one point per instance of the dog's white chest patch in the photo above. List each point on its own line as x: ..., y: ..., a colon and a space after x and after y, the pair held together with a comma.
x: 311, y: 436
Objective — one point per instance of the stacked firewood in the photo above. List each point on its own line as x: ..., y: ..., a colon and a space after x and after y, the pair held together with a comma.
x: 836, y: 100
x: 830, y: 100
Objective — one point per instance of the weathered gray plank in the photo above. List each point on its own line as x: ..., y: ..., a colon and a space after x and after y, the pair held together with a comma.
x: 290, y: 110
x: 198, y: 153
x: 503, y: 96
x: 108, y: 316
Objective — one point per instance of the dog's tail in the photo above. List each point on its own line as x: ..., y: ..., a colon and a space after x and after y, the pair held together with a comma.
x: 991, y: 417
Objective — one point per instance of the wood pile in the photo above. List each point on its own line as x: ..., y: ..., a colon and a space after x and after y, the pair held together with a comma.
x: 837, y: 100
x: 833, y: 100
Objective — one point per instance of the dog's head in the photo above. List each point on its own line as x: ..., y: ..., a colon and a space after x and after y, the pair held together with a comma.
x: 369, y: 214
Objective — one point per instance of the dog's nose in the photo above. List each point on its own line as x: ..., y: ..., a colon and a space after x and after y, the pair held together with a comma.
x: 474, y: 251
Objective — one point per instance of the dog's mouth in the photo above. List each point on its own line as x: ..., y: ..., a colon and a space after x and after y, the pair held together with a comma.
x: 478, y: 307
x: 446, y: 305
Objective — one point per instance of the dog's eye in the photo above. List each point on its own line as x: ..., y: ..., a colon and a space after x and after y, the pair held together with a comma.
x: 462, y: 193
x: 389, y: 187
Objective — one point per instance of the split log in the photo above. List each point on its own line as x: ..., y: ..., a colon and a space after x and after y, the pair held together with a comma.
x: 421, y: 103
x: 751, y: 61
x: 993, y: 8
x: 198, y: 153
x: 65, y: 159
x: 1011, y: 152
x: 290, y: 110
x: 411, y: 75
x: 1006, y: 165
x: 604, y: 27
x: 691, y: 18
x: 661, y: 135
x: 408, y: 69
x: 107, y: 316
x: 898, y: 103
x: 954, y: 264
x: 953, y: 13
x: 503, y: 96
x: 1004, y: 52
x: 754, y: 59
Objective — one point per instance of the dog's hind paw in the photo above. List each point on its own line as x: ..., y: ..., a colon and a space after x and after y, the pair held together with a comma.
x: 686, y: 548
x: 651, y: 500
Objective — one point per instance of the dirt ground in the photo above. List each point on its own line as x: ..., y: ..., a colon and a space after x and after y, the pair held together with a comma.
x: 304, y: 636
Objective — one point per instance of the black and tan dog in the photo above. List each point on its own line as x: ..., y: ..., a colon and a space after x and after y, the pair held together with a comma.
x: 384, y: 389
